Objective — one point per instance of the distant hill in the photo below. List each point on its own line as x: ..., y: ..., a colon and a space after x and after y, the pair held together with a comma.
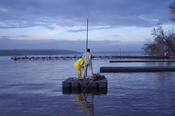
x: 124, y: 53
x: 95, y: 46
x: 18, y: 52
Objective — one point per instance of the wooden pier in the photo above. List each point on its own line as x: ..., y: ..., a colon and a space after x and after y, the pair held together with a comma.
x: 137, y: 69
x: 98, y: 85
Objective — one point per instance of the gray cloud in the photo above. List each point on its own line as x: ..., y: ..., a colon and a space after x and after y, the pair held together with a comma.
x: 27, y: 13
x: 90, y: 29
x: 12, y: 37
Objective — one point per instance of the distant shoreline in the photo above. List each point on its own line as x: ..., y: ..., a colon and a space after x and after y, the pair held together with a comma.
x: 24, y: 52
x: 30, y: 52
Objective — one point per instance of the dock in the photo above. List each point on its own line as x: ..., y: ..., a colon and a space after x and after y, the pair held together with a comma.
x: 139, y: 61
x: 97, y: 85
x: 137, y: 69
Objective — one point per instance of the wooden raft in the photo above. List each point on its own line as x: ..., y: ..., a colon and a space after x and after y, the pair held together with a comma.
x: 138, y: 69
x: 97, y: 85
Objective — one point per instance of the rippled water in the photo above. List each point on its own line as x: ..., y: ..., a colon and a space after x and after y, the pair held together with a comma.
x: 33, y: 88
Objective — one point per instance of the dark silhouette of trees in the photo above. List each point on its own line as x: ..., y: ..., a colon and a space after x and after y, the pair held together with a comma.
x: 163, y: 43
x: 172, y: 8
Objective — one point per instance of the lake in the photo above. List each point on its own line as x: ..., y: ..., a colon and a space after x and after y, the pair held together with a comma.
x: 34, y: 88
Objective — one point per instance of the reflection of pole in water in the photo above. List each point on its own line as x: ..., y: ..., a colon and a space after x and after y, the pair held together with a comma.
x: 87, y: 105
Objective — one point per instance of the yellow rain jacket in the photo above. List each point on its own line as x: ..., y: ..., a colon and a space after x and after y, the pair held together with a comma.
x: 79, y: 65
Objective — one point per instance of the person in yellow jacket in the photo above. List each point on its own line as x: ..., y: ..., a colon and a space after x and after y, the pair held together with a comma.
x: 79, y: 65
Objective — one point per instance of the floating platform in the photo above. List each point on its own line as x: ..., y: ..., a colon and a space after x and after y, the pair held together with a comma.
x: 137, y: 69
x: 98, y: 85
x: 139, y: 61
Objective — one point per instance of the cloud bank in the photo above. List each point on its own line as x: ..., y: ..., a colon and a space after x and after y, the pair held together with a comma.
x: 48, y: 13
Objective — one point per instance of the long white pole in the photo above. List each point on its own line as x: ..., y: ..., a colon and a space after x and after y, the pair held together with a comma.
x: 87, y: 36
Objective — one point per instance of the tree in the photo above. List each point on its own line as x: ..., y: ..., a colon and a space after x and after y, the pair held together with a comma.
x: 172, y: 8
x: 163, y: 43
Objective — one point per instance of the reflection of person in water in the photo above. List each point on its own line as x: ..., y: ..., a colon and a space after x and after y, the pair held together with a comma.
x: 88, y: 106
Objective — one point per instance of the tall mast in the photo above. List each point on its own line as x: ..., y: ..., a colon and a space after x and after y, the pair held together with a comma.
x: 87, y: 36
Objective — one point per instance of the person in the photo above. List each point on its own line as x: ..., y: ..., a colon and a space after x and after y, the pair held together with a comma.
x: 79, y: 65
x: 87, y: 63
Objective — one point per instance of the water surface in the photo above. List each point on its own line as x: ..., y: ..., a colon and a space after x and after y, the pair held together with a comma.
x: 33, y: 88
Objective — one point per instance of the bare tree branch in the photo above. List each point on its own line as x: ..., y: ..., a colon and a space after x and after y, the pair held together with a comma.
x: 163, y: 44
x: 172, y: 8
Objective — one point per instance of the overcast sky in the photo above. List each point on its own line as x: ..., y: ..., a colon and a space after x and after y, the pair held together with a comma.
x: 120, y: 20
